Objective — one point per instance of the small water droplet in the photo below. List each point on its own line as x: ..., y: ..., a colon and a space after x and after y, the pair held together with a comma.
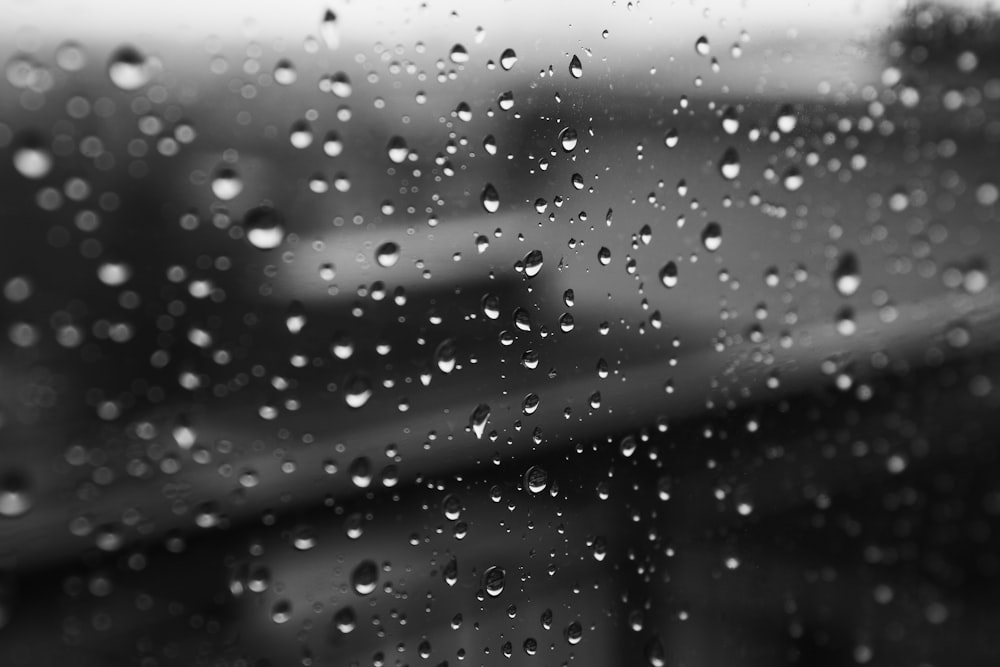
x: 364, y: 577
x: 655, y: 654
x: 847, y: 274
x: 575, y: 67
x: 226, y: 184
x: 490, y: 144
x: 604, y: 256
x: 357, y: 390
x: 702, y: 47
x: 668, y: 274
x: 490, y: 198
x: 729, y: 165
x: 328, y: 30
x: 793, y: 179
x: 671, y: 139
x: 478, y: 419
x: 281, y: 612
x: 730, y: 120
x: 284, y: 72
x: 31, y: 158
x: 345, y: 620
x: 786, y: 120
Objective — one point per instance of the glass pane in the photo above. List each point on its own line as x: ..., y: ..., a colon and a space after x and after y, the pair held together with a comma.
x: 397, y: 333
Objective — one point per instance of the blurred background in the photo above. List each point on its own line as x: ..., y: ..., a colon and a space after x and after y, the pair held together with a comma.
x: 401, y: 333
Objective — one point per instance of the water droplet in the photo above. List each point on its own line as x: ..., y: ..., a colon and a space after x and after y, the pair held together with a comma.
x: 604, y: 256
x: 793, y: 179
x: 31, y: 158
x: 264, y: 227
x: 573, y: 632
x: 332, y: 144
x: 655, y: 654
x: 729, y: 165
x: 128, y: 68
x: 364, y: 578
x: 786, y: 120
x: 387, y: 254
x: 507, y: 59
x: 15, y: 500
x: 730, y: 121
x: 668, y: 275
x: 711, y: 236
x: 702, y: 47
x: 345, y: 620
x: 328, y: 30
x: 459, y: 54
x: 450, y: 571
x: 671, y: 138
x: 284, y: 72
x: 398, y: 150
x: 446, y: 355
x: 281, y: 612
x: 357, y: 390
x: 847, y: 274
x: 568, y: 138
x: 506, y: 100
x: 845, y: 323
x: 533, y: 263
x: 360, y: 471
x: 530, y: 404
x: 301, y: 134
x: 536, y: 479
x: 575, y: 67
x: 491, y: 306
x: 226, y: 184
x: 490, y: 144
x: 478, y: 419
x: 494, y: 580
x: 464, y: 112
x: 490, y: 198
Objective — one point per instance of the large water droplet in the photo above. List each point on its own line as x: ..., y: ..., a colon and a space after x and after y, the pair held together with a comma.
x: 793, y: 179
x: 729, y: 165
x: 575, y: 67
x: 128, y: 68
x: 507, y: 59
x: 459, y: 54
x: 671, y: 138
x: 15, y: 500
x: 31, y: 158
x: 494, y: 580
x: 398, y: 150
x: 450, y: 571
x: 284, y: 72
x: 711, y: 236
x: 702, y: 47
x: 568, y: 138
x: 446, y: 355
x: 847, y: 274
x: 533, y: 263
x: 345, y: 620
x: 490, y: 198
x: 264, y: 227
x: 536, y: 479
x: 387, y: 254
x: 364, y: 578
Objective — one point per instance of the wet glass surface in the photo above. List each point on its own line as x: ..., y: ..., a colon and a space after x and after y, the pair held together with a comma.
x: 499, y: 333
